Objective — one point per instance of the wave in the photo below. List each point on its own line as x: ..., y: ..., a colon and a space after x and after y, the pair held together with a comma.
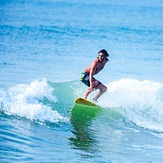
x: 140, y: 102
x: 31, y: 101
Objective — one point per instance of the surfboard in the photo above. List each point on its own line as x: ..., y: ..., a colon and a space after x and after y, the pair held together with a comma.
x: 83, y: 101
x: 84, y: 109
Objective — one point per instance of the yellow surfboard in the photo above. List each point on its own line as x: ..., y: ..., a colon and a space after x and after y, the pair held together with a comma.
x: 84, y: 102
x: 84, y: 110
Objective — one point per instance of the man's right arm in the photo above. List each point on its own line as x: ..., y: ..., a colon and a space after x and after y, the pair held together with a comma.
x: 92, y: 72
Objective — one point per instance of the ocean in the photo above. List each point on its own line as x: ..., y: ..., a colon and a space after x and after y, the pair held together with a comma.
x: 44, y: 47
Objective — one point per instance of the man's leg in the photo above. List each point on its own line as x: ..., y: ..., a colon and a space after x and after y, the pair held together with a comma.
x: 102, y: 88
x: 87, y: 93
x: 95, y: 83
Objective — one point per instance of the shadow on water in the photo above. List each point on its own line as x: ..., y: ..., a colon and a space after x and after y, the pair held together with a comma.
x: 84, y: 139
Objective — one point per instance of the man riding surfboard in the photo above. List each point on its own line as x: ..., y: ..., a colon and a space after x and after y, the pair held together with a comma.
x: 88, y: 75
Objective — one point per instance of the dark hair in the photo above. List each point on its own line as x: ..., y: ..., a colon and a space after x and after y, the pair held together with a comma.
x: 103, y: 51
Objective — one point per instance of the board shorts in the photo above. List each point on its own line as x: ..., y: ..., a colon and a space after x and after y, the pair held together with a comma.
x: 85, y: 79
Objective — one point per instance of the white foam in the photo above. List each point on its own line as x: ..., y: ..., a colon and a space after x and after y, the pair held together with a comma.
x: 139, y: 101
x: 23, y: 100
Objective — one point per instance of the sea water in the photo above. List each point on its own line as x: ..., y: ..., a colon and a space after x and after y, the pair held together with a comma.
x: 45, y: 45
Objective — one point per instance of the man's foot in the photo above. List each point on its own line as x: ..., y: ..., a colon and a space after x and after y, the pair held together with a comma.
x: 94, y: 100
x: 85, y: 97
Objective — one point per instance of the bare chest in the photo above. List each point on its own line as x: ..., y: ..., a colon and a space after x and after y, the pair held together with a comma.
x: 99, y: 67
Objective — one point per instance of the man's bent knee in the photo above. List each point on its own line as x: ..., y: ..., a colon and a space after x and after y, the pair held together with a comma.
x: 105, y: 89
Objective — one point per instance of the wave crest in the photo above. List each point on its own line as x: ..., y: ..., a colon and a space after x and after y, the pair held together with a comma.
x: 26, y: 100
x: 139, y: 101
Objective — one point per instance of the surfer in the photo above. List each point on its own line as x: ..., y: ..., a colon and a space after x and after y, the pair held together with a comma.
x: 87, y: 76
